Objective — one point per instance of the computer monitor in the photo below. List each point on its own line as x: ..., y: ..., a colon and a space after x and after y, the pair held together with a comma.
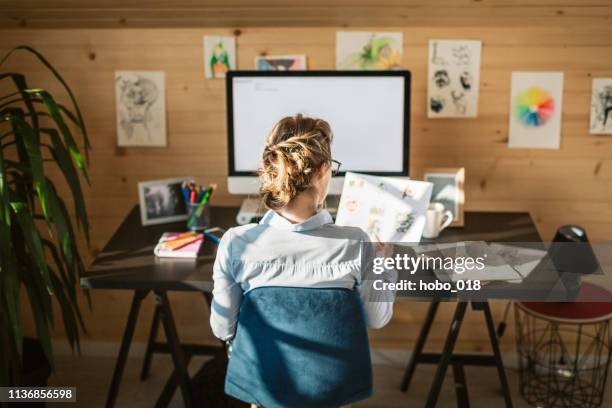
x: 368, y: 112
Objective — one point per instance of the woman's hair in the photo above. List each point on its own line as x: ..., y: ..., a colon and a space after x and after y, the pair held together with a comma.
x: 295, y: 149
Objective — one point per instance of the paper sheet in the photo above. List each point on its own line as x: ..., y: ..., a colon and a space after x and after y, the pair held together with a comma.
x: 391, y: 209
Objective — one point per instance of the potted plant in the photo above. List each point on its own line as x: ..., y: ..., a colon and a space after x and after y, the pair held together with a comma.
x: 38, y: 244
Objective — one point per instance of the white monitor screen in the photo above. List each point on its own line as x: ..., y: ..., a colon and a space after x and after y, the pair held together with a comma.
x: 367, y: 114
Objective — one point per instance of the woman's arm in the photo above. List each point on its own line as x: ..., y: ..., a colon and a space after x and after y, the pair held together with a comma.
x: 378, y: 305
x: 227, y: 293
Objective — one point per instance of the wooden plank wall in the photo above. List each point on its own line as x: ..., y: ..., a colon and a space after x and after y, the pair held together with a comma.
x: 570, y: 185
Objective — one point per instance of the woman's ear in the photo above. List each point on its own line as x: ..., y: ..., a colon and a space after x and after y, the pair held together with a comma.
x: 322, y: 170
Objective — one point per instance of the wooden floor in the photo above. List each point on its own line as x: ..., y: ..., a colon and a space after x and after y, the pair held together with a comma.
x: 91, y: 376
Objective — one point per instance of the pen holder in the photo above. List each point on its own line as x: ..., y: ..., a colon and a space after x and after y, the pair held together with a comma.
x: 198, y: 218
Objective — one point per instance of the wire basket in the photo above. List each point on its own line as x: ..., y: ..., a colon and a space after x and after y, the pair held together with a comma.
x: 562, y: 363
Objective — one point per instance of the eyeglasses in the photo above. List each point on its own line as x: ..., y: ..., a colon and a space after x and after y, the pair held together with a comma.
x: 335, y: 167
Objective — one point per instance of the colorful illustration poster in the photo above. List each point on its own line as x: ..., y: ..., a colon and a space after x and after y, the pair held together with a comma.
x: 281, y: 63
x: 535, y: 110
x: 601, y: 106
x: 219, y: 56
x: 368, y: 50
x: 454, y: 76
x: 141, y: 108
x: 388, y: 209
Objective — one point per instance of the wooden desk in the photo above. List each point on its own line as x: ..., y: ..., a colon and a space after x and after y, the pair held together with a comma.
x: 127, y: 263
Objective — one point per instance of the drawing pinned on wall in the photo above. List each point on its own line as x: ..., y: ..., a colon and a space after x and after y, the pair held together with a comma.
x: 280, y: 63
x: 219, y: 55
x: 601, y: 106
x: 140, y: 108
x: 454, y: 76
x: 368, y: 50
x: 389, y: 209
x: 535, y: 110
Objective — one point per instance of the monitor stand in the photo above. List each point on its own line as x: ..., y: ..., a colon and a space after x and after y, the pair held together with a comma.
x: 252, y: 209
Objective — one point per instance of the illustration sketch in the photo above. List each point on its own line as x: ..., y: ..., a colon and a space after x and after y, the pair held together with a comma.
x: 535, y: 110
x: 141, y: 109
x: 459, y: 101
x: 454, y: 75
x: 403, y: 222
x: 219, y: 56
x: 281, y: 63
x: 437, y: 103
x: 441, y: 78
x: 435, y: 58
x: 368, y: 50
x: 393, y: 209
x: 601, y: 106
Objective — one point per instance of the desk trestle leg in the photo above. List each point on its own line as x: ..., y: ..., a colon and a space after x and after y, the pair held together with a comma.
x: 128, y: 333
x: 457, y: 360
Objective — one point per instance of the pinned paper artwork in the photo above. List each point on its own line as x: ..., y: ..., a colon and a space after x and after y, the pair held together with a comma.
x: 219, y: 56
x: 368, y: 50
x: 454, y: 76
x: 601, y: 106
x: 535, y: 110
x: 140, y: 108
x: 381, y: 207
x: 281, y: 63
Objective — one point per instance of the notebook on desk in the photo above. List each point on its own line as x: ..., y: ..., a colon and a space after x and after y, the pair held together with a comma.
x: 178, y: 245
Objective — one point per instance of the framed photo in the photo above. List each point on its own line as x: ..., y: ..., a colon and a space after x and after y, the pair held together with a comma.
x: 162, y: 201
x: 448, y: 190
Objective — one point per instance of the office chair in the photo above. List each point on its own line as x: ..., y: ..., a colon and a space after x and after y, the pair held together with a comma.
x: 300, y: 347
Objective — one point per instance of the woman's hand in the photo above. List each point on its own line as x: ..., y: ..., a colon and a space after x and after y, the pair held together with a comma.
x: 385, y: 249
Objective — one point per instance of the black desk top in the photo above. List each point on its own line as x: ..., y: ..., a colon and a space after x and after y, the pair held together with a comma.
x: 127, y: 261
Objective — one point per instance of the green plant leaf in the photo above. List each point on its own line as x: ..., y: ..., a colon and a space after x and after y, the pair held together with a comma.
x: 42, y: 323
x: 13, y: 114
x: 32, y: 238
x: 46, y: 63
x: 22, y: 85
x: 5, y: 210
x: 69, y: 286
x: 65, y: 305
x: 56, y: 114
x: 62, y: 158
x: 32, y: 146
x: 9, y: 278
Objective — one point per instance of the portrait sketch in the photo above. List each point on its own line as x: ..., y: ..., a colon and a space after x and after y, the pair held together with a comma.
x: 141, y: 108
x: 601, y: 106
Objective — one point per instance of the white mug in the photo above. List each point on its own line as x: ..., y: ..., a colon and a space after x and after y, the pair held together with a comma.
x: 436, y: 220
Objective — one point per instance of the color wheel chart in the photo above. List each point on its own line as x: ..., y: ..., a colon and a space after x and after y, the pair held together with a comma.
x: 534, y: 107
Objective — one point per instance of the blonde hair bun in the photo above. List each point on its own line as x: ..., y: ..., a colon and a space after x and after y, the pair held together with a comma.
x: 295, y: 149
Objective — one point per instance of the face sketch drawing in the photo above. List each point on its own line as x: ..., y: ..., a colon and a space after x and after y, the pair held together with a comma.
x: 462, y: 55
x: 436, y: 104
x: 441, y: 78
x: 466, y: 80
x: 136, y: 98
x: 459, y: 101
x: 605, y: 102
